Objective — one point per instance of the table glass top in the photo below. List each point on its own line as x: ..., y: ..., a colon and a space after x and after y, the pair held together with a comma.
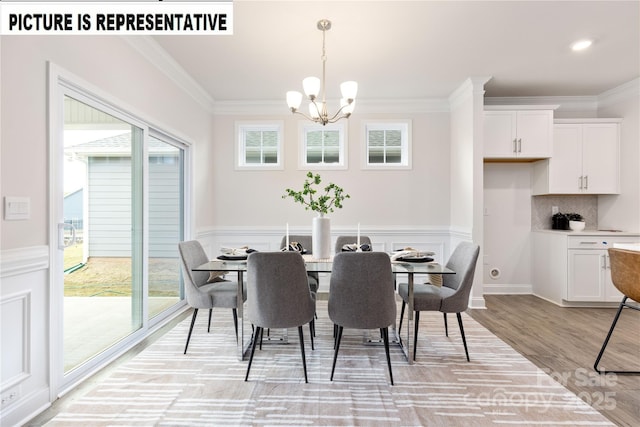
x: 325, y: 265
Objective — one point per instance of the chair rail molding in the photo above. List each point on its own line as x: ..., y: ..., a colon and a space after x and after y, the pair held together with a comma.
x: 23, y: 260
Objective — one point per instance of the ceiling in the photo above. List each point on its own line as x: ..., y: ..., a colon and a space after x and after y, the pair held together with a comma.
x: 416, y: 49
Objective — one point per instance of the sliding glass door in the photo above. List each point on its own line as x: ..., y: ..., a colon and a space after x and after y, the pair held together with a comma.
x: 122, y: 198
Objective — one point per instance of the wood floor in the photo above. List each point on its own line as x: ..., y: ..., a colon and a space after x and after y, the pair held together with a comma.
x: 564, y: 342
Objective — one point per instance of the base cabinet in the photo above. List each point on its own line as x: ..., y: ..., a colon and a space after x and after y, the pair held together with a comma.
x: 589, y: 276
x: 574, y: 268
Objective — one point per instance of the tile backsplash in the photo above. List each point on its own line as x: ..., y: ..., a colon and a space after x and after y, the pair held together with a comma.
x: 587, y: 206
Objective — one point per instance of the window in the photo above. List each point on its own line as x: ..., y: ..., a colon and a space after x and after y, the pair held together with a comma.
x: 323, y: 147
x: 387, y: 145
x: 259, y: 145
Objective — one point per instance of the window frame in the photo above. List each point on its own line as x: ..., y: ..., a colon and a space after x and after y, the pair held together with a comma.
x: 404, y: 126
x: 305, y: 127
x: 241, y: 127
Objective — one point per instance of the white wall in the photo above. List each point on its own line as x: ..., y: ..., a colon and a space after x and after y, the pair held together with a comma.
x: 112, y: 65
x: 623, y: 211
x: 415, y: 197
x: 466, y: 173
x: 507, y: 227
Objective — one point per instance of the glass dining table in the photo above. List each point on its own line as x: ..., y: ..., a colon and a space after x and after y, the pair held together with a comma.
x: 324, y: 266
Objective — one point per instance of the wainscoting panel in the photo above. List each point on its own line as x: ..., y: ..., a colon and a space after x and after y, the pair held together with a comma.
x: 15, y: 343
x: 24, y: 311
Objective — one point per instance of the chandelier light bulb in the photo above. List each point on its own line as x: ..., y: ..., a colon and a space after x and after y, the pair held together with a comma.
x: 313, y: 110
x: 349, y: 89
x: 311, y: 87
x: 294, y: 99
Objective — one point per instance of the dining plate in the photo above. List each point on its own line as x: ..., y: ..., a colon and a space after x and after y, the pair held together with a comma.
x: 415, y: 259
x: 232, y: 257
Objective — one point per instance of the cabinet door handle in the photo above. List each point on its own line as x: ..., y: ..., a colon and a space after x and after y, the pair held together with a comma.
x: 588, y: 243
x: 586, y: 182
x: 519, y: 145
x: 515, y: 145
x: 580, y: 183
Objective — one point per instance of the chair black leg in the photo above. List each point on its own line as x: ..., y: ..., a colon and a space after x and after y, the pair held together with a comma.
x: 404, y: 304
x: 312, y: 328
x: 337, y: 347
x: 606, y: 340
x: 253, y: 350
x: 415, y: 334
x: 304, y: 359
x: 385, y: 337
x: 464, y: 340
x: 235, y: 322
x: 446, y: 326
x: 209, y: 324
x: 193, y: 320
x: 261, y: 335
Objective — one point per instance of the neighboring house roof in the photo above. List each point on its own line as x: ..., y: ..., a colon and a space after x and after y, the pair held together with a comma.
x: 115, y: 146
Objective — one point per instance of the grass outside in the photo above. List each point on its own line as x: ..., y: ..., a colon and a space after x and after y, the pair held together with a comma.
x: 112, y: 276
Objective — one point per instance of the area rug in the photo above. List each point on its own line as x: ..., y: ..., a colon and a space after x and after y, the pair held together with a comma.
x: 163, y: 387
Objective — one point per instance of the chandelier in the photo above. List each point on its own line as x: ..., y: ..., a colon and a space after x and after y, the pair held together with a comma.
x: 312, y: 86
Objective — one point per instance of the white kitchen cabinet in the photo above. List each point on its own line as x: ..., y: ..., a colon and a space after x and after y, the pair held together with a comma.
x: 589, y: 276
x: 585, y: 160
x: 518, y: 134
x: 573, y: 269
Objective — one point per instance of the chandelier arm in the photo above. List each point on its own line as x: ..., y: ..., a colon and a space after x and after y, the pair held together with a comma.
x: 315, y: 104
x: 335, y: 117
x: 305, y: 116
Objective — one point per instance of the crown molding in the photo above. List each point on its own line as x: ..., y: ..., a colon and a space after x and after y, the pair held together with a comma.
x: 620, y: 93
x: 159, y: 57
x: 370, y: 106
x: 471, y: 86
x: 562, y: 103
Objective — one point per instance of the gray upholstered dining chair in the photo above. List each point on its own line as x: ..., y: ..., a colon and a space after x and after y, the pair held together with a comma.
x: 307, y: 245
x: 278, y: 296
x: 202, y: 292
x: 625, y: 274
x: 451, y: 297
x: 362, y: 296
x: 348, y: 240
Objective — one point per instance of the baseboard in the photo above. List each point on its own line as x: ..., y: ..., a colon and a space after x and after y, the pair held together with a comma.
x: 507, y: 289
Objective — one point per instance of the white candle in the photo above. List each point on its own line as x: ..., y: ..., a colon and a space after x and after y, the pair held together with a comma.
x: 358, y: 242
x: 287, y: 236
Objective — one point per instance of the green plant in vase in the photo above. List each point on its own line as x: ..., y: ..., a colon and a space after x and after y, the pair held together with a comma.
x: 317, y: 199
x: 321, y: 200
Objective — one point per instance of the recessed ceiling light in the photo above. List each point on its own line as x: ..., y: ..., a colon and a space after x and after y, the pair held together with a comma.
x: 581, y: 45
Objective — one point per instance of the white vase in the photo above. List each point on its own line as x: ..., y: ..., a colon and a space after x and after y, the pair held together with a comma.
x: 576, y: 225
x: 321, y: 235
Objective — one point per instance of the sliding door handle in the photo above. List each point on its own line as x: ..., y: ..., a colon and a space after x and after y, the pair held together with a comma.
x: 62, y: 243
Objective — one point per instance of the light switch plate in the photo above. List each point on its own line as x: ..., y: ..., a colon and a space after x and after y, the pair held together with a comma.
x: 17, y: 208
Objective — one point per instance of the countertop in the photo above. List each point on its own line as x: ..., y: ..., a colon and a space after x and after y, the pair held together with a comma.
x: 589, y: 232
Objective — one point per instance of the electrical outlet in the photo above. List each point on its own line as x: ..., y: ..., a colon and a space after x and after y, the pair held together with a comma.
x: 9, y: 397
x: 554, y: 210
